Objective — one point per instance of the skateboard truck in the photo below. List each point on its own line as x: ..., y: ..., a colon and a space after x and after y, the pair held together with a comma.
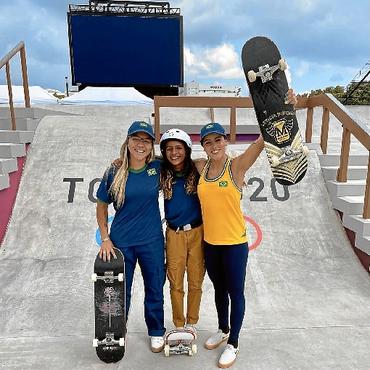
x: 180, y: 349
x: 108, y: 277
x: 109, y: 341
x: 180, y: 342
x: 266, y: 72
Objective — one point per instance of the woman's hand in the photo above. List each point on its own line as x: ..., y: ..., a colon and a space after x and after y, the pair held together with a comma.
x: 106, y: 250
x: 290, y: 97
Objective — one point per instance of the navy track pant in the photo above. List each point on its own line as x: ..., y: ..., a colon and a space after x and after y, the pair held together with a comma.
x: 151, y: 261
x: 226, y: 267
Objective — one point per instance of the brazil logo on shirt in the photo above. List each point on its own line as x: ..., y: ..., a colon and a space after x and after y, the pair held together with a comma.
x: 222, y: 184
x: 151, y: 172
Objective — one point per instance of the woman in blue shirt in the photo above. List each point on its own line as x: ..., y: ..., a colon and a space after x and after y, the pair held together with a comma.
x: 136, y: 230
x: 184, y: 234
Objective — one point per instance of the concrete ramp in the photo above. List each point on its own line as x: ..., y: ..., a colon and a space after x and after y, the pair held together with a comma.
x: 308, y: 297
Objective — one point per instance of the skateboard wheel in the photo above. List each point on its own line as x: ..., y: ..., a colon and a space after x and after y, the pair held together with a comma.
x: 190, y: 352
x: 166, y: 350
x: 306, y: 151
x: 95, y: 343
x: 94, y: 277
x: 282, y: 65
x: 194, y: 348
x: 121, y: 342
x: 120, y: 276
x: 252, y: 76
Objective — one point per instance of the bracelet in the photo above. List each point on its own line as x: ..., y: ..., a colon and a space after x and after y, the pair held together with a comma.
x: 105, y: 239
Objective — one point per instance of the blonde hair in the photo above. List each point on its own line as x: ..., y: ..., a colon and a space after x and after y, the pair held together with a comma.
x: 118, y: 187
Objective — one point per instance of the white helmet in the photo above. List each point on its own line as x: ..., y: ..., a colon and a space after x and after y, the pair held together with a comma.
x: 175, y: 134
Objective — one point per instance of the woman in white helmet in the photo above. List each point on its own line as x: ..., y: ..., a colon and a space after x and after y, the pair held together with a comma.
x: 184, y: 234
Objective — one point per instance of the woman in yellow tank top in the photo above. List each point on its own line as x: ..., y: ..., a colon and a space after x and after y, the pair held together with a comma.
x: 225, y: 240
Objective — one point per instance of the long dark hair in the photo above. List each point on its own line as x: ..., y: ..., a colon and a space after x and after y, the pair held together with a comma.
x: 168, y: 173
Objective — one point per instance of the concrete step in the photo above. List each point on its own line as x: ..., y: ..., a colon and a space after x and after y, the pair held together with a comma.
x: 357, y: 223
x: 327, y: 160
x: 23, y: 124
x: 20, y: 112
x: 4, y: 181
x: 351, y: 187
x: 349, y: 205
x: 363, y: 243
x: 16, y: 137
x: 8, y: 165
x: 12, y: 150
x: 354, y: 172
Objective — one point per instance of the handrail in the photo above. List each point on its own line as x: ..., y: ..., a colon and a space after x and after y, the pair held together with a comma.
x: 5, y: 61
x: 351, y: 125
x: 200, y: 102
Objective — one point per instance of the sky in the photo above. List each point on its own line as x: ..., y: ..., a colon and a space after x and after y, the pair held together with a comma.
x: 325, y: 42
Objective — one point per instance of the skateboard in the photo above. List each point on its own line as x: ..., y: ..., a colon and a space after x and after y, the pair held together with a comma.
x: 110, y: 308
x: 179, y: 342
x: 268, y: 86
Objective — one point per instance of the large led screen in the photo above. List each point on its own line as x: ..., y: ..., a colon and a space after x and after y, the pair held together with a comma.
x: 116, y: 50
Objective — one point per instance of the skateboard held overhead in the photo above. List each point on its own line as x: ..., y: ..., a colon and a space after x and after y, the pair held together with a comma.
x: 179, y: 342
x: 268, y: 87
x: 110, y: 308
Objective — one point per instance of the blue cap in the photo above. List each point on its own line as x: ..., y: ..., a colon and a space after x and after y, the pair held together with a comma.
x: 141, y: 126
x: 211, y: 128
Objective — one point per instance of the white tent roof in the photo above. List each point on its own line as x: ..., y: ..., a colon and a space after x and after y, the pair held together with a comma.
x: 37, y: 95
x: 107, y: 95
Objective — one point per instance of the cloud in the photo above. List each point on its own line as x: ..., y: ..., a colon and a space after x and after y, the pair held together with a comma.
x: 302, y: 69
x: 43, y: 28
x: 307, y: 75
x: 309, y: 29
x: 219, y: 62
x: 311, y: 35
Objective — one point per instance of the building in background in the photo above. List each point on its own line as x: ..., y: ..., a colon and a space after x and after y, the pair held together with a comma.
x: 196, y: 89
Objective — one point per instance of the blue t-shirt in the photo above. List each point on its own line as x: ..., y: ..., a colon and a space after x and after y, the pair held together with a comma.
x: 182, y: 208
x: 138, y: 220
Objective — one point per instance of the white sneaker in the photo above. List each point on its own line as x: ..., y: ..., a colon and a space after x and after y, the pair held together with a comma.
x: 192, y: 328
x: 156, y: 344
x: 216, y: 339
x: 228, y: 356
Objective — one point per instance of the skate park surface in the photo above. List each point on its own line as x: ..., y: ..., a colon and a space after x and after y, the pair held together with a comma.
x: 307, y: 295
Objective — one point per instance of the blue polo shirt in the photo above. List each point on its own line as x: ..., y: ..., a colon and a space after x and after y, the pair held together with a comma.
x: 182, y: 208
x: 138, y: 220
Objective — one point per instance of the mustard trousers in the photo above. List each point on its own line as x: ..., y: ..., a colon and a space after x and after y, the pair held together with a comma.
x: 184, y: 252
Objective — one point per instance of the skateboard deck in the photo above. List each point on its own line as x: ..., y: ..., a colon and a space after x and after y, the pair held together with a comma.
x: 268, y: 86
x: 179, y: 342
x: 110, y: 308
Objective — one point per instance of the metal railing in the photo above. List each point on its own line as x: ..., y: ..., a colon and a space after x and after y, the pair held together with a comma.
x: 351, y: 125
x: 6, y: 62
x: 125, y: 7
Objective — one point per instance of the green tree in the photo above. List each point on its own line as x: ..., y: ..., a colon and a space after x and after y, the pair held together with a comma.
x: 361, y: 96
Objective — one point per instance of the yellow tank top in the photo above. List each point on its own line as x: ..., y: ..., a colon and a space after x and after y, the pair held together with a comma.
x: 220, y: 202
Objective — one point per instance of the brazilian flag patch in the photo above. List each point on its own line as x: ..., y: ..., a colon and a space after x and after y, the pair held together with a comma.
x: 151, y: 172
x: 222, y: 184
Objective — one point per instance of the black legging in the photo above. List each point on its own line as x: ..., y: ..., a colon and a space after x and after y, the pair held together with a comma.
x: 226, y: 267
